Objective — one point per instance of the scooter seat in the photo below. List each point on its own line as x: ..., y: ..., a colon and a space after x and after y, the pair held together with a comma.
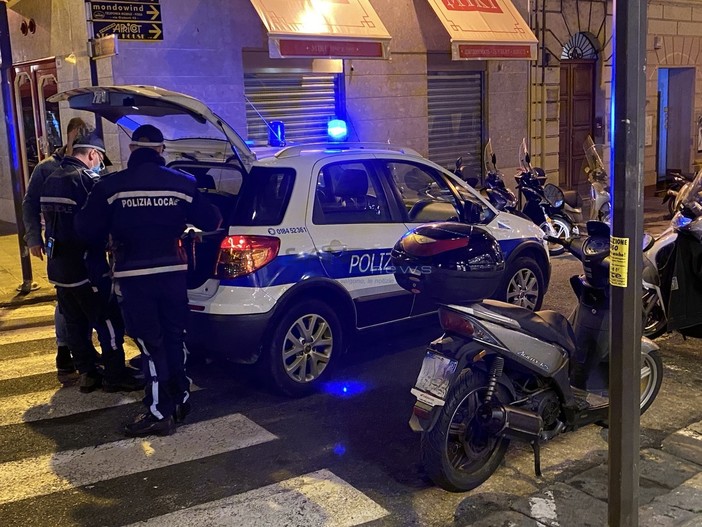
x: 547, y: 325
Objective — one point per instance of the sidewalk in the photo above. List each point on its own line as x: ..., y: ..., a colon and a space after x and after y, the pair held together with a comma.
x: 670, y: 493
x: 11, y: 272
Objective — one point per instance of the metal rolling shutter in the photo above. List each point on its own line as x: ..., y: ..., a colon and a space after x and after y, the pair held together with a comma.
x: 456, y: 119
x: 303, y: 101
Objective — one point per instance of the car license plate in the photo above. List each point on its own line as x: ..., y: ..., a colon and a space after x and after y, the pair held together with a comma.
x: 435, y: 375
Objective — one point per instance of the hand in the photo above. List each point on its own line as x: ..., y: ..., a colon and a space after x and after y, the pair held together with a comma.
x: 37, y: 250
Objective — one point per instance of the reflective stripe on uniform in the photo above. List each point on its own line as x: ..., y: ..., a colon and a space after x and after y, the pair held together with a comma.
x: 149, y: 194
x: 152, y: 270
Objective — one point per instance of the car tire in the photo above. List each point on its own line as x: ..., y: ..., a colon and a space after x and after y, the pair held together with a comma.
x: 522, y: 284
x: 305, y: 342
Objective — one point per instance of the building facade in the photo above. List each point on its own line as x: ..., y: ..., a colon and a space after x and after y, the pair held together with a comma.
x: 222, y: 52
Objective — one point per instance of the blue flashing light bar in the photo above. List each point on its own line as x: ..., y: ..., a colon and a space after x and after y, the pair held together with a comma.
x: 337, y: 130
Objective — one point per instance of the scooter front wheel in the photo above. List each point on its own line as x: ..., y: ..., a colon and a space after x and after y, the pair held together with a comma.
x: 458, y: 453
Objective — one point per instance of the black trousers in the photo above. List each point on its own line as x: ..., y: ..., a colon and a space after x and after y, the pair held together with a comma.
x: 89, y: 307
x: 155, y: 308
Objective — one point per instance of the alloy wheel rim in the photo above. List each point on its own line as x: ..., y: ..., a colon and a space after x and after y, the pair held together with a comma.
x: 466, y: 441
x: 307, y: 348
x: 523, y: 289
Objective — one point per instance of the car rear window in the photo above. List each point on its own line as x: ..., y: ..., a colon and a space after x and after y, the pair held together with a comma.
x: 264, y: 196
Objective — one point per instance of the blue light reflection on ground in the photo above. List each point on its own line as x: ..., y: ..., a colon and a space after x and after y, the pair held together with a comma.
x: 339, y: 449
x: 345, y: 388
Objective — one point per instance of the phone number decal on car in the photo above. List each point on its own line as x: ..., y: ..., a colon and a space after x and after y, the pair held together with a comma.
x: 287, y: 230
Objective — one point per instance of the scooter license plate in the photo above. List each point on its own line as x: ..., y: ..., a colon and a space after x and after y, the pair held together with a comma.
x: 436, y: 374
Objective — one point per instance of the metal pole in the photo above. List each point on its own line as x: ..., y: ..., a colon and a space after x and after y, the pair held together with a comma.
x: 94, y: 81
x: 628, y: 100
x: 13, y: 148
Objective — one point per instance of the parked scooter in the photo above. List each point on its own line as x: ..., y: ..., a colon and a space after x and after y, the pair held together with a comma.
x: 502, y: 372
x: 495, y: 189
x: 600, y: 207
x: 662, y: 257
x: 678, y: 184
x: 544, y: 204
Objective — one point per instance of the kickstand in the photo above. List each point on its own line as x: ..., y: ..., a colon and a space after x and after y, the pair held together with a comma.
x: 537, y: 457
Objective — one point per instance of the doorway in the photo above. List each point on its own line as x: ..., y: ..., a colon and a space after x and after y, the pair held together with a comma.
x: 39, y: 125
x: 577, y: 109
x: 676, y: 89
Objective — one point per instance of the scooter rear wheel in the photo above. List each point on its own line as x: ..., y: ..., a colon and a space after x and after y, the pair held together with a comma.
x: 458, y: 454
x: 651, y: 378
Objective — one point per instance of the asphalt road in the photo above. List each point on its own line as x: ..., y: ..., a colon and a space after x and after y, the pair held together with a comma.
x: 344, y: 456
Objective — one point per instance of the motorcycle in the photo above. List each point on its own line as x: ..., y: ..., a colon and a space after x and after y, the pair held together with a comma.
x: 678, y: 183
x: 660, y: 259
x: 600, y: 207
x: 545, y: 204
x: 501, y: 372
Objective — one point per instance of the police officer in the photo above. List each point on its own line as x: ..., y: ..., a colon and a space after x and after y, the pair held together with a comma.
x: 145, y: 209
x: 31, y: 215
x: 80, y: 271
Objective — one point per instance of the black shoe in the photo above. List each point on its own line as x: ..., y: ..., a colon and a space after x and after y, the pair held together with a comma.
x: 126, y: 383
x: 64, y: 361
x: 90, y: 381
x: 181, y: 411
x: 146, y: 424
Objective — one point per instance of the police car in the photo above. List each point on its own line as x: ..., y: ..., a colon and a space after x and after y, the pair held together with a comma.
x: 303, y: 259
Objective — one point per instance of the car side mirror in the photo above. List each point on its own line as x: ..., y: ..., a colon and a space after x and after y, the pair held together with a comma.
x: 470, y: 212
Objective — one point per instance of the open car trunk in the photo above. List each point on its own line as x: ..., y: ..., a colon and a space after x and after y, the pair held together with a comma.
x: 219, y: 183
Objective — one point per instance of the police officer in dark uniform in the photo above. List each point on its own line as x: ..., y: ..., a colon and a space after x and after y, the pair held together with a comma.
x: 31, y: 215
x: 145, y: 209
x: 80, y: 271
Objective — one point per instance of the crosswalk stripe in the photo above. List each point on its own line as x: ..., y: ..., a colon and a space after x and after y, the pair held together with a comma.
x: 316, y: 499
x: 35, y: 310
x: 44, y: 363
x: 69, y: 469
x: 12, y: 336
x: 50, y: 404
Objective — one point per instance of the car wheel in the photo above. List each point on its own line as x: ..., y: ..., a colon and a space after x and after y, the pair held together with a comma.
x: 304, y: 342
x: 523, y: 284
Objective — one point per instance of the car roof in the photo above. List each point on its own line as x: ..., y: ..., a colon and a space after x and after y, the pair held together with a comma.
x: 344, y: 148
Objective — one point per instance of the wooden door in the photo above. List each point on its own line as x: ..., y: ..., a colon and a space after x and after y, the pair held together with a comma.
x: 577, y: 98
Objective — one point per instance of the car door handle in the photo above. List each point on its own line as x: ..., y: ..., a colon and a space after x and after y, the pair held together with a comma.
x: 335, y: 248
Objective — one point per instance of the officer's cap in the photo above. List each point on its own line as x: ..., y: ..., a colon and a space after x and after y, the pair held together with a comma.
x: 91, y: 139
x: 147, y: 135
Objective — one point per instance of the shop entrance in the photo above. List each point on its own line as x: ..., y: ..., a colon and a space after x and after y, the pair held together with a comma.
x: 39, y: 125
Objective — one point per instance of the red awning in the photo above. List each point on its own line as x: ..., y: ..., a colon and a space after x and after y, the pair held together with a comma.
x: 486, y: 30
x: 337, y: 29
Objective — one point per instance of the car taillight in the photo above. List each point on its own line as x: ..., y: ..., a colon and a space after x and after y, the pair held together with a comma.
x: 453, y: 322
x: 418, y: 245
x: 240, y: 255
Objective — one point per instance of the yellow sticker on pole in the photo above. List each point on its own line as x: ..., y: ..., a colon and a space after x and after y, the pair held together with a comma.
x: 618, y: 261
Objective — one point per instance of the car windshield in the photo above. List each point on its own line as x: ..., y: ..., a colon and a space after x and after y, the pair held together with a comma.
x: 174, y: 127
